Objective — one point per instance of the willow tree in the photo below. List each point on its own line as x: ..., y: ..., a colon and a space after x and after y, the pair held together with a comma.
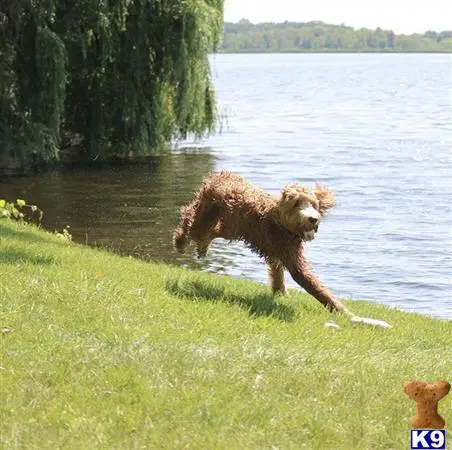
x: 116, y: 76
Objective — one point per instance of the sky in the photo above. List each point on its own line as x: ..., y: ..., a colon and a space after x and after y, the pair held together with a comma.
x: 401, y: 16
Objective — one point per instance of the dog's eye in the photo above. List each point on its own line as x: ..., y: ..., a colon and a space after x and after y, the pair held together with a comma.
x: 297, y: 204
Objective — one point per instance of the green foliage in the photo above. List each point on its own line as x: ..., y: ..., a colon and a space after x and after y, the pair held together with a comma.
x: 32, y: 90
x: 245, y: 36
x: 103, y: 352
x: 20, y: 211
x: 65, y: 234
x: 117, y: 77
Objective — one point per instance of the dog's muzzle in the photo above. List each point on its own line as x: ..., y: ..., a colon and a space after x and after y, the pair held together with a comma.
x: 309, y: 234
x: 314, y: 222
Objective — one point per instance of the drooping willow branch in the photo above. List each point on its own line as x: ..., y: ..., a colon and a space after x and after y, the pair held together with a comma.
x: 124, y: 75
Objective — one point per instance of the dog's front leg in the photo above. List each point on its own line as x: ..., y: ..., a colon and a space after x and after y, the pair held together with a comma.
x: 301, y: 272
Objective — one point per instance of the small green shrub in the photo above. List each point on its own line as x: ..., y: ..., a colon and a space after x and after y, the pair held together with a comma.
x: 65, y: 233
x: 20, y: 211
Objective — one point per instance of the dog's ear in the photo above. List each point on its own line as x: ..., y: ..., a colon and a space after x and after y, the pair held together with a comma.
x: 290, y: 194
x: 326, y: 198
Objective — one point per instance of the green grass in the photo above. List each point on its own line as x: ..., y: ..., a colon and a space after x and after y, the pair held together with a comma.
x: 102, y: 351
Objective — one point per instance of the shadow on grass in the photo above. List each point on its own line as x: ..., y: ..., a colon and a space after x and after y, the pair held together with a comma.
x: 14, y: 257
x: 256, y: 305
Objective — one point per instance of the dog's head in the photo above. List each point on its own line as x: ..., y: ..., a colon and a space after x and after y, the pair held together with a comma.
x: 302, y: 208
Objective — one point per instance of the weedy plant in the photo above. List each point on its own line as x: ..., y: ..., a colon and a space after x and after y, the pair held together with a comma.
x: 65, y: 233
x: 20, y: 211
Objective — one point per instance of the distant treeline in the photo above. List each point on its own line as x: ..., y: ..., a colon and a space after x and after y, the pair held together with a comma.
x: 245, y: 36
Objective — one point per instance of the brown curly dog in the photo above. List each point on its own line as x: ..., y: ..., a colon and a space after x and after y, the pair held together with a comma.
x: 228, y: 206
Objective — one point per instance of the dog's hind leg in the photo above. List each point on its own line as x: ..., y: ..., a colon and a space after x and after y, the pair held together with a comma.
x: 203, y: 245
x: 181, y: 236
x: 276, y: 276
x: 198, y: 220
x: 189, y: 219
x: 203, y: 230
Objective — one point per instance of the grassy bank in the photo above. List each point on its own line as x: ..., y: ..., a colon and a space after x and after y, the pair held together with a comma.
x: 99, y: 351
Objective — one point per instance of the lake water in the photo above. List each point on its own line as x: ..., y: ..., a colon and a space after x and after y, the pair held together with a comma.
x: 376, y: 128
